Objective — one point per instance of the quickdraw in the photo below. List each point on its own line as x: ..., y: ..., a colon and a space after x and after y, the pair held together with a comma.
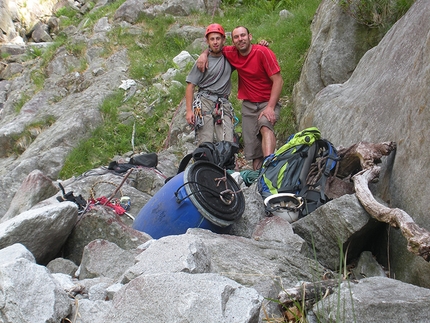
x: 197, y: 109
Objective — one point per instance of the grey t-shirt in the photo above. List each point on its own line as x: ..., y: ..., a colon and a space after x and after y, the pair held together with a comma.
x: 216, y: 79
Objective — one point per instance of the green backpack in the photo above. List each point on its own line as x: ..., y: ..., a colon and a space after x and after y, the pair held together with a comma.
x: 287, y: 170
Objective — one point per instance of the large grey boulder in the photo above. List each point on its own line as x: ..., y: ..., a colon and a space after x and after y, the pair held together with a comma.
x: 371, y: 300
x: 223, y: 300
x: 241, y: 259
x: 29, y: 228
x: 29, y: 292
x: 336, y: 48
x: 340, y: 227
x: 34, y: 189
x: 94, y: 258
x: 101, y: 223
x: 386, y: 99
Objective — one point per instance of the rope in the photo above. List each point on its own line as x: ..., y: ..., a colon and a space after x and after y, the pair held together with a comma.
x: 316, y: 170
x: 208, y: 190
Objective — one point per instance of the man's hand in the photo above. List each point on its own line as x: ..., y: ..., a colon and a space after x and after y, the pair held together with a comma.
x: 202, y: 62
x: 191, y: 118
x: 264, y: 43
x: 269, y: 113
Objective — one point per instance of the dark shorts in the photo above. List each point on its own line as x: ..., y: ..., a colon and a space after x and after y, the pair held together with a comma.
x: 251, y: 126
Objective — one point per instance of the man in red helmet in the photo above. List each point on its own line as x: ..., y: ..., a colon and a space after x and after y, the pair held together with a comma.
x: 209, y: 110
x: 259, y: 88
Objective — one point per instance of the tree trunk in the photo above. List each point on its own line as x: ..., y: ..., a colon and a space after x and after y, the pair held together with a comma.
x: 360, y: 160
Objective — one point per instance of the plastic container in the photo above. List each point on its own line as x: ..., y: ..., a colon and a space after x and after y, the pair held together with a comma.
x: 195, y: 198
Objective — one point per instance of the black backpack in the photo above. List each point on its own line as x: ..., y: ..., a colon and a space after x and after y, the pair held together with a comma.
x: 221, y: 153
x: 300, y: 167
x: 149, y: 160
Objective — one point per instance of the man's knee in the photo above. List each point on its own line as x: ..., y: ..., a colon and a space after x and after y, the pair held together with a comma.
x: 264, y: 130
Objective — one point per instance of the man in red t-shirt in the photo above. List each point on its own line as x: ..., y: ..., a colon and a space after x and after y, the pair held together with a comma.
x: 260, y: 86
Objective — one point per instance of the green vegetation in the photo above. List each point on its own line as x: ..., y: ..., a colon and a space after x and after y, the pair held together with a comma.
x: 4, y: 55
x: 22, y: 141
x: 38, y: 78
x: 69, y: 16
x: 33, y: 52
x: 20, y: 102
x: 376, y: 13
x: 115, y: 138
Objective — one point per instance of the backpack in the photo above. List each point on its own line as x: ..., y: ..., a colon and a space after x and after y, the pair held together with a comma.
x: 300, y: 167
x: 149, y: 160
x: 146, y: 160
x: 221, y: 153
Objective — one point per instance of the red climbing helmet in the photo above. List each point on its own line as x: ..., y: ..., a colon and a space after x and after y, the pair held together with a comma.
x: 215, y: 28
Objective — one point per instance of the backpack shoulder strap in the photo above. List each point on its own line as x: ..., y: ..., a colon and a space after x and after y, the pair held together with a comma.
x: 311, y: 154
x: 184, y: 162
x: 332, y: 159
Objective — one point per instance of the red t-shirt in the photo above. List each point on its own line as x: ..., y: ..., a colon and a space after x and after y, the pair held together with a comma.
x: 254, y: 71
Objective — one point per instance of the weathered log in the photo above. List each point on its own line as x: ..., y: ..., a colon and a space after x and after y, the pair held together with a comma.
x: 351, y: 160
x: 307, y: 293
x: 362, y: 155
x: 418, y: 238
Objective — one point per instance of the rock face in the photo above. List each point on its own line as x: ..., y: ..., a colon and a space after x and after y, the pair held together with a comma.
x: 336, y: 48
x: 386, y: 99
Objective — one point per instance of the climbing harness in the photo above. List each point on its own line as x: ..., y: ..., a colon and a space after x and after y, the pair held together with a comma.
x: 217, y: 112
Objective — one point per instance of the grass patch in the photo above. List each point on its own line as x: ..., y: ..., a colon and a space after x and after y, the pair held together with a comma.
x: 22, y: 141
x: 376, y: 13
x: 38, y: 78
x: 23, y: 99
x: 114, y: 137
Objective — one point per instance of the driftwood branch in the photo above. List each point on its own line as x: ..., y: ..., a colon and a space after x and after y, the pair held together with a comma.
x: 361, y: 159
x: 418, y: 238
x: 362, y: 155
x: 307, y: 293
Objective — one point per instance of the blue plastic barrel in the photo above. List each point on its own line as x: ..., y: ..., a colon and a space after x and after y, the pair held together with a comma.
x: 202, y: 196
